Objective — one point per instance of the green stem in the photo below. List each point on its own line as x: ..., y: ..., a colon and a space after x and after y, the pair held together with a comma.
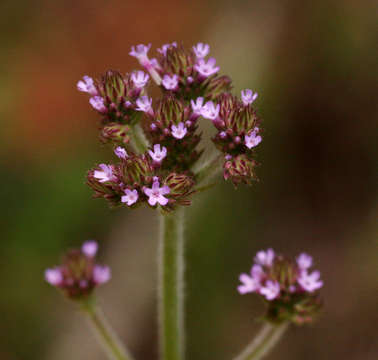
x: 265, y: 340
x: 106, y: 336
x: 208, y: 171
x: 138, y: 139
x: 171, y: 286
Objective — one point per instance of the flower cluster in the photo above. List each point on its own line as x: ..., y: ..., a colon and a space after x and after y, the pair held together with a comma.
x: 160, y: 171
x: 289, y: 287
x: 79, y: 274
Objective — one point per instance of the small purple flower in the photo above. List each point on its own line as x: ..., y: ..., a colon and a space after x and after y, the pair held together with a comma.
x: 159, y: 153
x: 89, y: 248
x: 101, y: 274
x: 210, y: 111
x: 144, y: 104
x: 252, y: 139
x: 197, y: 106
x: 87, y: 85
x: 98, y: 103
x: 265, y: 258
x: 165, y: 47
x: 105, y: 175
x: 208, y: 68
x: 271, y: 290
x: 179, y: 131
x: 54, y: 276
x: 170, y: 82
x: 156, y: 194
x: 310, y: 282
x: 131, y: 197
x: 140, y: 52
x: 248, y: 285
x: 120, y: 152
x: 248, y: 97
x: 304, y: 261
x: 201, y: 50
x: 140, y: 78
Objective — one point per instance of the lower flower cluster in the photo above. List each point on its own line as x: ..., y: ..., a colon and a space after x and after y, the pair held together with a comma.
x: 79, y: 274
x: 288, y: 287
x: 138, y: 179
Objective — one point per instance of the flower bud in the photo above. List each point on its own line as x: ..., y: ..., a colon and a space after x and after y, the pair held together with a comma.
x: 239, y: 169
x: 115, y: 133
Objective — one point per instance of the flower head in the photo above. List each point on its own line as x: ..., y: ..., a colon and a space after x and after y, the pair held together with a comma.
x: 201, y: 50
x: 105, y: 174
x: 248, y: 97
x: 120, y: 152
x: 130, y: 197
x: 139, y: 78
x: 170, y: 82
x: 206, y: 69
x: 144, y: 103
x: 98, y: 103
x: 210, y: 111
x: 252, y: 139
x: 87, y: 85
x: 156, y: 194
x: 179, y: 131
x: 159, y: 153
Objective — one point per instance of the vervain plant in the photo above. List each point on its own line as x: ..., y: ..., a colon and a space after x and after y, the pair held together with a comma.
x: 159, y: 163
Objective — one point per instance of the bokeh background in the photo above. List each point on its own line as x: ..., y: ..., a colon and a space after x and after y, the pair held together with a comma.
x: 314, y: 66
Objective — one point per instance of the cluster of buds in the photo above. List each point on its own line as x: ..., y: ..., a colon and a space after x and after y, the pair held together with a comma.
x: 79, y: 275
x: 192, y: 91
x: 287, y: 286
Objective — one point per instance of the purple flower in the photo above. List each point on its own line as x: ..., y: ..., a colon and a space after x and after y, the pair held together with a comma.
x: 201, y: 50
x: 265, y: 258
x: 87, y: 85
x: 101, y: 274
x: 179, y: 131
x: 165, y: 47
x: 54, y: 276
x: 156, y: 194
x: 248, y: 97
x: 139, y: 78
x: 248, y: 285
x: 252, y: 139
x: 197, y: 106
x: 144, y: 104
x: 105, y: 175
x: 310, y: 282
x: 131, y: 197
x: 120, y: 152
x: 210, y: 111
x: 158, y: 154
x: 208, y: 68
x: 271, y: 290
x: 304, y: 261
x: 170, y: 82
x: 98, y: 103
x: 140, y: 52
x: 89, y: 248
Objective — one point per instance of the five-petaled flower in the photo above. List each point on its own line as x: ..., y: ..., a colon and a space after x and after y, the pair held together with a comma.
x: 271, y: 290
x: 210, y: 111
x: 130, y: 197
x: 248, y: 97
x: 310, y: 282
x: 98, y: 103
x: 120, y: 152
x: 179, y: 131
x: 140, y: 52
x: 87, y: 85
x: 170, y: 82
x: 159, y: 153
x: 252, y: 139
x: 156, y: 194
x: 105, y: 174
x: 144, y: 104
x: 206, y: 69
x: 201, y: 50
x: 197, y: 106
x: 140, y: 78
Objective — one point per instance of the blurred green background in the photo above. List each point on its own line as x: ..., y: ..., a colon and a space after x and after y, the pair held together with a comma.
x: 314, y: 66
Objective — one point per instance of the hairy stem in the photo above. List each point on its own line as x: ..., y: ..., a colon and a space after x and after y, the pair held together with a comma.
x: 171, y: 286
x: 138, y: 139
x: 209, y: 170
x: 106, y: 336
x: 265, y: 340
